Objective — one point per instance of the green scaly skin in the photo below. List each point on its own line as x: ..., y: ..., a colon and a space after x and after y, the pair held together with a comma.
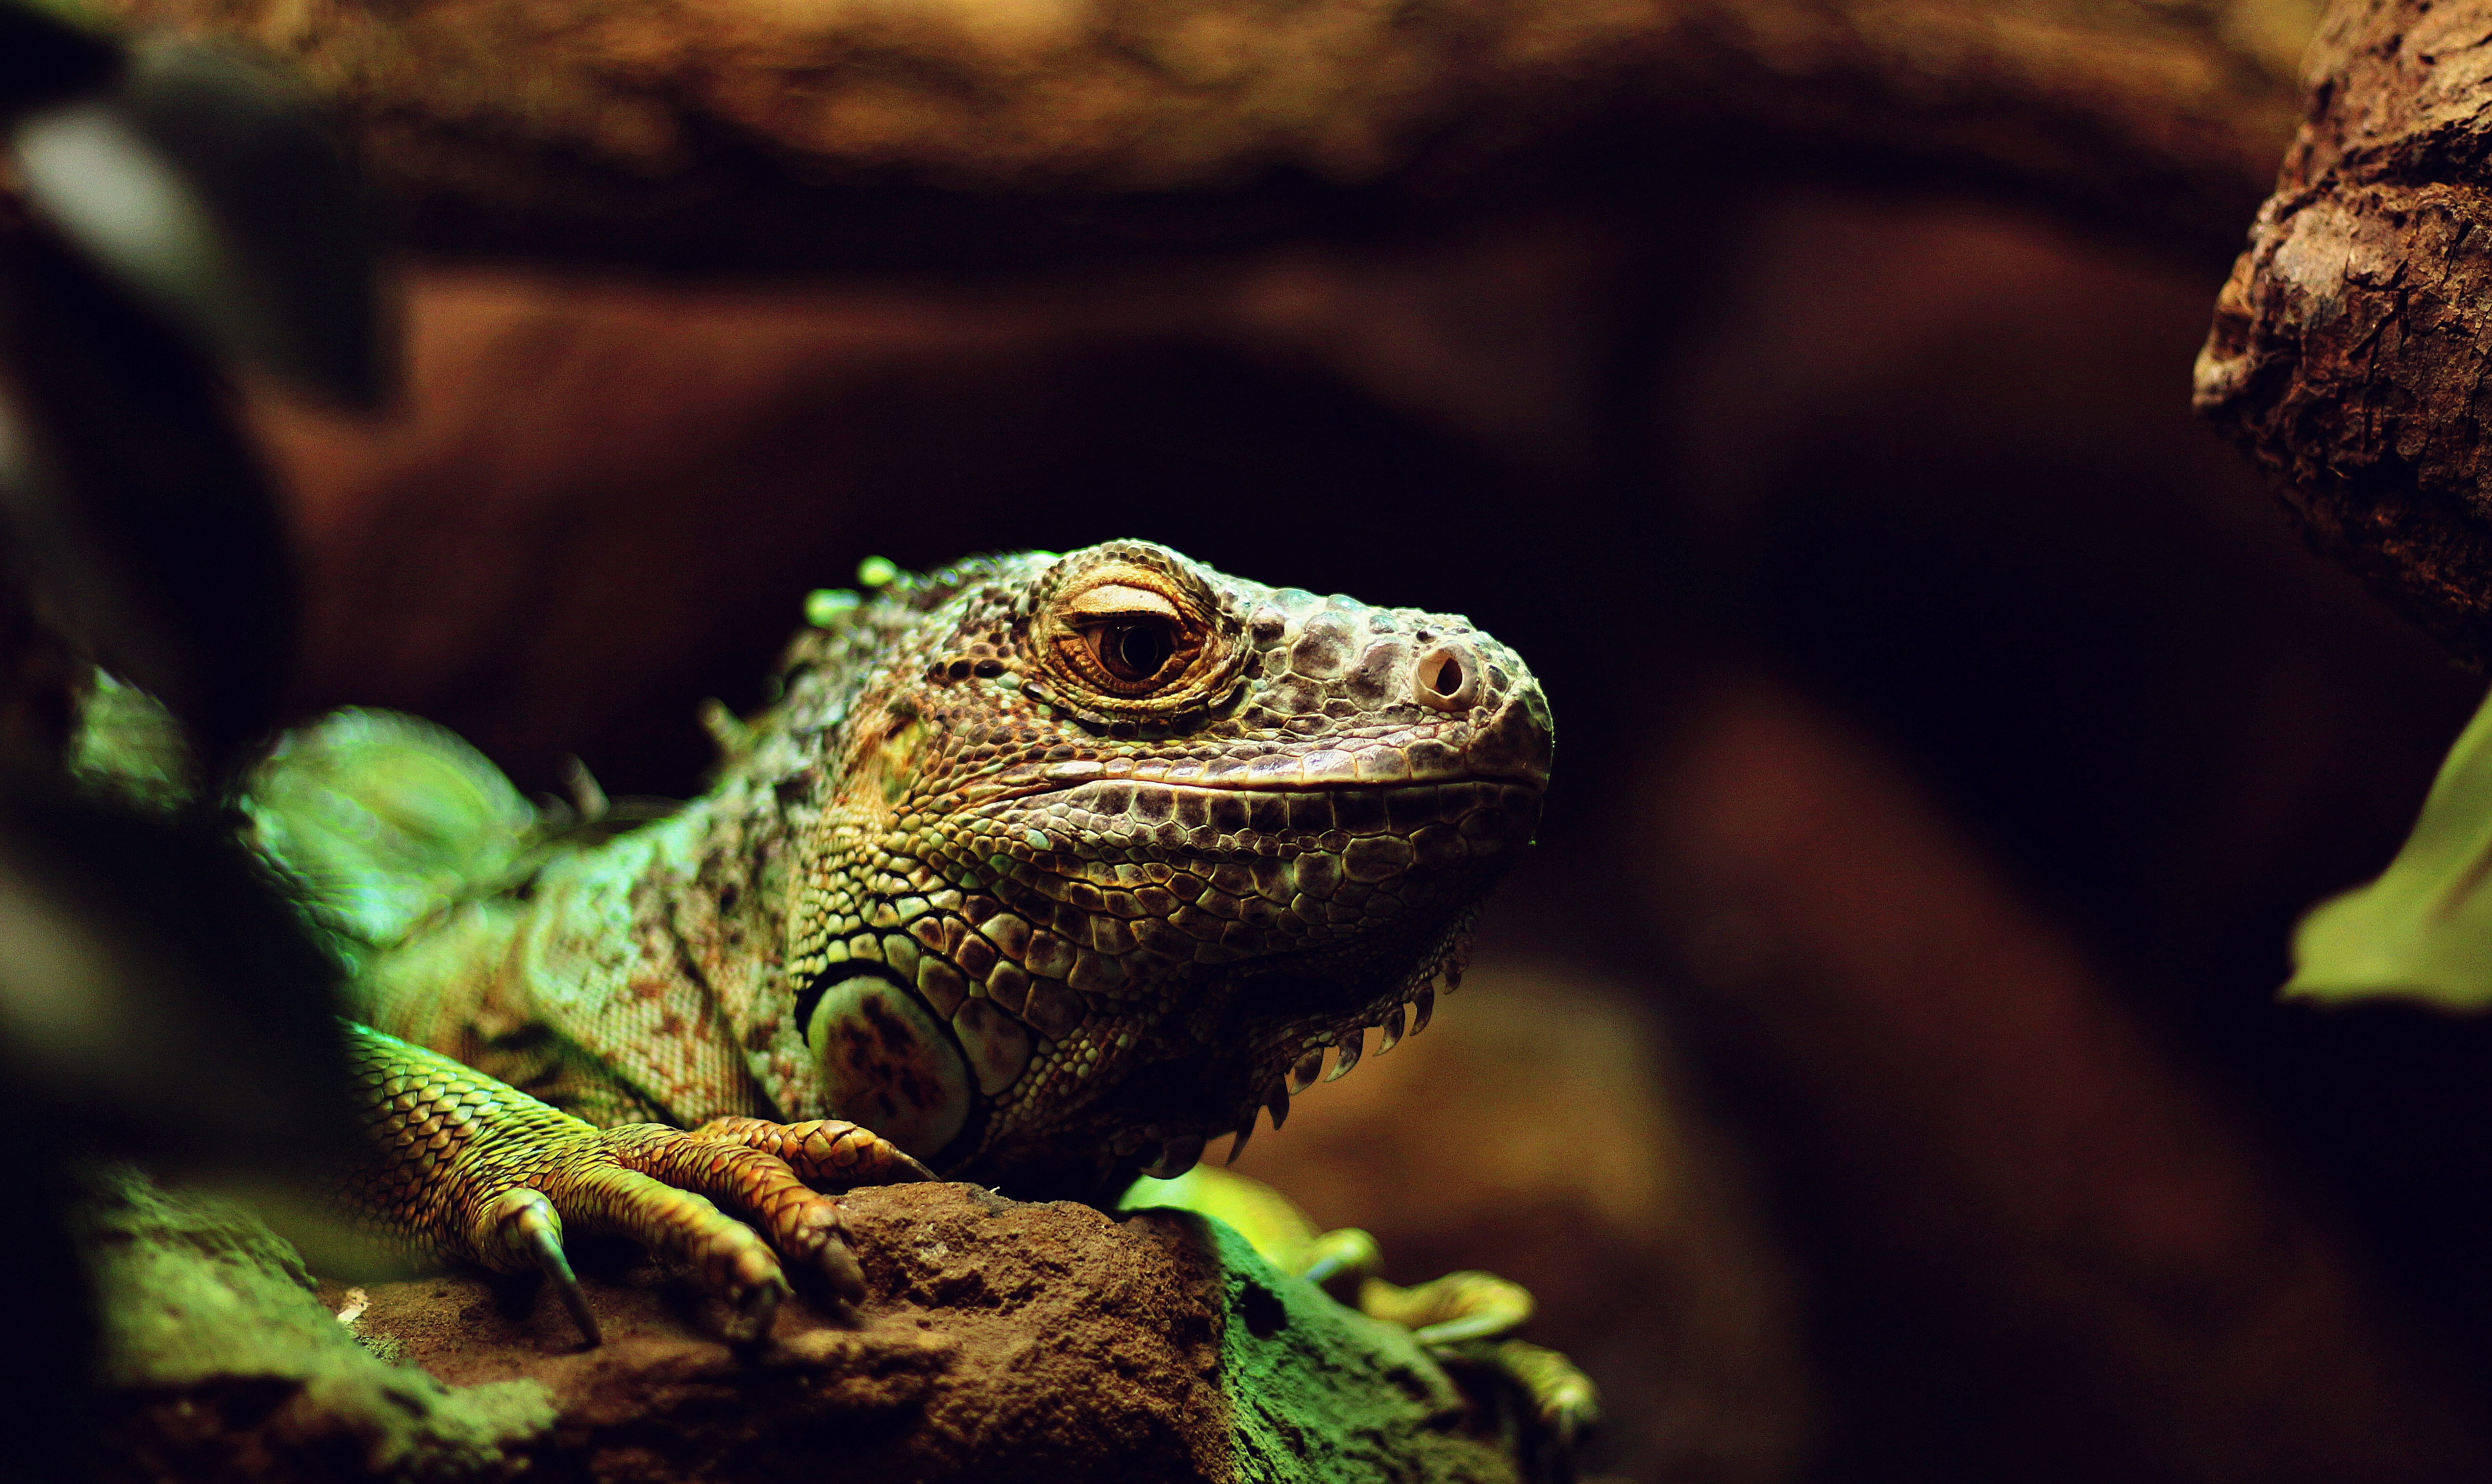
x: 1046, y: 869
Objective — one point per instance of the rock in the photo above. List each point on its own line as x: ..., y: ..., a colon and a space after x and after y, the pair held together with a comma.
x: 217, y: 1360
x: 1003, y: 1340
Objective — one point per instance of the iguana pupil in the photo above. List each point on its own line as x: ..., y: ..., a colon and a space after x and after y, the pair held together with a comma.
x: 1135, y: 652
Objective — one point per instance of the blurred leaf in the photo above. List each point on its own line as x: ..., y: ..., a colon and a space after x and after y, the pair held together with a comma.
x: 2423, y: 930
x: 158, y: 998
x: 129, y: 748
x: 47, y: 52
x: 209, y: 186
x: 142, y: 510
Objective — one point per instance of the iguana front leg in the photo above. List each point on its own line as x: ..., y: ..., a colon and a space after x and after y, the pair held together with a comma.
x: 465, y: 1167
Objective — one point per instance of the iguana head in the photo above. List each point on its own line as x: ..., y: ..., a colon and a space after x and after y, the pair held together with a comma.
x: 1105, y: 851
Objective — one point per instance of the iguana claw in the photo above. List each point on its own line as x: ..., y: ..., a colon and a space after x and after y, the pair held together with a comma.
x: 521, y: 1224
x: 463, y: 1166
x: 826, y: 1153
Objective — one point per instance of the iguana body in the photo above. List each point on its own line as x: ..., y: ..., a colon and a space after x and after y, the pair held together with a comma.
x: 1045, y: 870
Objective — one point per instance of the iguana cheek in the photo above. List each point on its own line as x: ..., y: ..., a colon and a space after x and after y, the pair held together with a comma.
x: 887, y: 1065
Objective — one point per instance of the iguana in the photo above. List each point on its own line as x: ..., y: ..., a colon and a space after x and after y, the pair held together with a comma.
x: 1039, y: 872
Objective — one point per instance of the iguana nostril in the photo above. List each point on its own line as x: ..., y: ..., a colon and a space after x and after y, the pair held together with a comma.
x: 1447, y: 678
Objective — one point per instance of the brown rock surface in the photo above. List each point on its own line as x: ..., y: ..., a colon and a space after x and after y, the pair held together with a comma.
x: 2350, y: 349
x: 1003, y: 1341
x: 811, y: 134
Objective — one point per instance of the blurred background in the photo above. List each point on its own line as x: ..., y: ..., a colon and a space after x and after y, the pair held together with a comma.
x: 1876, y: 1069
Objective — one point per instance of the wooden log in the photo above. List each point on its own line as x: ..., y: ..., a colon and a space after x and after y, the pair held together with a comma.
x: 971, y: 132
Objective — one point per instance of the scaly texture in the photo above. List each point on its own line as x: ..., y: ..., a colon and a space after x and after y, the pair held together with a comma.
x: 1046, y: 868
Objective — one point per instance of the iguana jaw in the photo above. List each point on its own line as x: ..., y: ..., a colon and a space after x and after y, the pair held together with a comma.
x: 1162, y: 1130
x: 1228, y: 1048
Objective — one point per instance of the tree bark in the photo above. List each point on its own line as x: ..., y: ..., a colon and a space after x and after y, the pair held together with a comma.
x: 2350, y: 349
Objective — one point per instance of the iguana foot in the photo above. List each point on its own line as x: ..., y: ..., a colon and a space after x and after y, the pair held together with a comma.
x: 1468, y: 1321
x: 1561, y: 1396
x: 826, y: 1153
x: 466, y: 1167
x: 1449, y: 1310
x: 703, y: 1203
x: 701, y: 1199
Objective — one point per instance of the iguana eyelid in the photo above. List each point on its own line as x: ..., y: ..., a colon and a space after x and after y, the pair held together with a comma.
x: 1112, y: 601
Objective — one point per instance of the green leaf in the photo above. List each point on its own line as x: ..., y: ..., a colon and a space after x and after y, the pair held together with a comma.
x: 128, y: 746
x: 2423, y: 931
x: 209, y: 186
x: 139, y: 503
x: 156, y: 994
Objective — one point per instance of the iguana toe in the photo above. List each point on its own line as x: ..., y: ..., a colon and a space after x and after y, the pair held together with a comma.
x: 1451, y: 1309
x: 519, y: 1228
x: 1559, y: 1401
x: 1568, y: 1404
x: 704, y: 1197
x: 826, y: 1153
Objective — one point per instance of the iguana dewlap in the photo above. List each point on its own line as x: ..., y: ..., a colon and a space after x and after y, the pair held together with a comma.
x: 1043, y: 870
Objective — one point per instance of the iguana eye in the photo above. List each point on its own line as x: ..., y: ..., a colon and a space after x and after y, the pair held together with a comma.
x: 1129, y: 633
x: 1132, y: 651
x: 1127, y: 640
